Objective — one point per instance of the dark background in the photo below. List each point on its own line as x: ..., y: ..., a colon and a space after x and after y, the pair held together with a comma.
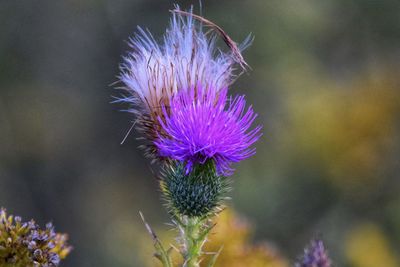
x: 325, y: 83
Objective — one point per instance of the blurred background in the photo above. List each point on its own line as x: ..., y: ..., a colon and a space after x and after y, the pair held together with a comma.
x: 325, y: 83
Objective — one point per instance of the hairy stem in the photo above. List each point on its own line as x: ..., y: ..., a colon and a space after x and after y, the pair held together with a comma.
x: 194, y: 234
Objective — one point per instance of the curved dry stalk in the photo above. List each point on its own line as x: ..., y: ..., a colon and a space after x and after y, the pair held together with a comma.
x: 237, y: 55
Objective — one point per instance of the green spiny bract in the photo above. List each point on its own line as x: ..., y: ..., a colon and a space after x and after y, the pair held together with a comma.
x: 197, y: 193
x: 25, y: 244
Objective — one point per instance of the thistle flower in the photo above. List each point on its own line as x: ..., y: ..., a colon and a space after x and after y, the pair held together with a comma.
x: 25, y: 244
x: 315, y: 256
x: 178, y: 92
x: 205, y: 125
x: 153, y: 73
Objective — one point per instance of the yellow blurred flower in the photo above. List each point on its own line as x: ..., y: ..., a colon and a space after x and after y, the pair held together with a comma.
x: 349, y: 131
x: 367, y: 246
x: 234, y: 233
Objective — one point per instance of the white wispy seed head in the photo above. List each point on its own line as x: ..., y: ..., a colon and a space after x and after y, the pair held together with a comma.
x: 187, y: 56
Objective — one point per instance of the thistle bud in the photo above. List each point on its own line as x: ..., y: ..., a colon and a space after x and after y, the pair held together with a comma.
x: 196, y: 193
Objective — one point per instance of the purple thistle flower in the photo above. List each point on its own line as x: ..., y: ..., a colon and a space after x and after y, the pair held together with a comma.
x: 315, y: 256
x: 152, y: 73
x: 202, y: 125
x: 187, y: 55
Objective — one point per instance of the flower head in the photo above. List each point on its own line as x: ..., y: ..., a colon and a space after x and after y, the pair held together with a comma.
x: 315, y: 256
x: 26, y: 244
x: 153, y: 73
x: 202, y: 125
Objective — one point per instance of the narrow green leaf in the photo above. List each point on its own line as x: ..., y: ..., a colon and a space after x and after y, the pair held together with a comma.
x: 214, y: 258
x: 204, y: 234
x: 161, y: 253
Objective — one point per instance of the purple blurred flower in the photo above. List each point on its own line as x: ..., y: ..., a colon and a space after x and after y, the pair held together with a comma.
x: 26, y: 244
x: 202, y: 125
x: 315, y: 256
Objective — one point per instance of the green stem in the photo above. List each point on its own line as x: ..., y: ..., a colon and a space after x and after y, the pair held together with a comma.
x: 193, y: 238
